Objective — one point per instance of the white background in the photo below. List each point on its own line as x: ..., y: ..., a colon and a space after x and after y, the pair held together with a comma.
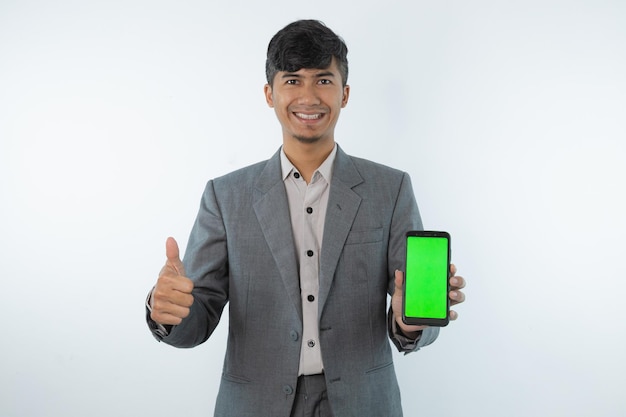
x: 509, y: 116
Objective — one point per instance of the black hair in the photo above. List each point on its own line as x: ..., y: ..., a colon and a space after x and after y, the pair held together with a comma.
x: 305, y: 44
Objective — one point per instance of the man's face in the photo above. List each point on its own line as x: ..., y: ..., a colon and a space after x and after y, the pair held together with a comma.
x: 308, y: 102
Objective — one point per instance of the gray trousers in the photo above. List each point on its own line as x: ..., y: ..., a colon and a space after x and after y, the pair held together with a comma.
x: 311, y: 399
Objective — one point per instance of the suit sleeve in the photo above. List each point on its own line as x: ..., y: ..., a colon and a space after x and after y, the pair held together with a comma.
x: 206, y: 264
x: 406, y: 217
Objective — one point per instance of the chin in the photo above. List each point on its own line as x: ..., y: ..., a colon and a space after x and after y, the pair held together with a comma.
x: 308, y: 139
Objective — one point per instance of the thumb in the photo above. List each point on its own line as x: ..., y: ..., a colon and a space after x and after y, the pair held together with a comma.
x: 171, y: 249
x: 173, y: 255
x: 399, y: 282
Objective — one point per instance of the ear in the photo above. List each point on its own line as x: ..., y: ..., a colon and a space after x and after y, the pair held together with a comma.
x: 268, y: 95
x: 346, y: 95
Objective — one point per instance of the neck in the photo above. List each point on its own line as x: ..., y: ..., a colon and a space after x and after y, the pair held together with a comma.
x: 307, y: 157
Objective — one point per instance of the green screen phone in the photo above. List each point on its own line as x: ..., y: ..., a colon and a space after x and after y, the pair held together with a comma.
x: 426, y: 283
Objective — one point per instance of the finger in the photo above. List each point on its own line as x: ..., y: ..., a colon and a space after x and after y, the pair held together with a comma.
x: 453, y: 315
x: 164, y: 308
x: 165, y: 318
x: 399, y: 280
x: 168, y: 284
x: 457, y: 282
x: 452, y: 270
x: 180, y: 304
x: 176, y: 297
x: 456, y: 297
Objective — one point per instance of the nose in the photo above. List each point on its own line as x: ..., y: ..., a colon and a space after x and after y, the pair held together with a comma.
x: 308, y: 95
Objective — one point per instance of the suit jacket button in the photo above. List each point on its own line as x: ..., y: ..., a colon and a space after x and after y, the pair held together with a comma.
x: 294, y: 335
x: 287, y: 389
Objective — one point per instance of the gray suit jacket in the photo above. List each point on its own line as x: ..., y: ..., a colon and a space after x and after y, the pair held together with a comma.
x: 241, y: 251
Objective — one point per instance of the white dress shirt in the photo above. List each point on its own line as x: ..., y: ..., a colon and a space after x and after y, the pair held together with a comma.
x: 307, y: 208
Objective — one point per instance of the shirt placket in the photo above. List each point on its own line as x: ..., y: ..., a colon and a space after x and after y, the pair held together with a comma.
x: 309, y: 272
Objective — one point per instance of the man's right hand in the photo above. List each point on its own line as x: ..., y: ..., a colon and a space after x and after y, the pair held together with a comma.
x: 171, y: 297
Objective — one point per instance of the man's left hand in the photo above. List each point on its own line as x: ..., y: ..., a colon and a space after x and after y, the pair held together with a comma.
x: 456, y: 297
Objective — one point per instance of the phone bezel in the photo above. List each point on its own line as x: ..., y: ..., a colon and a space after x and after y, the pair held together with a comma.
x: 427, y: 321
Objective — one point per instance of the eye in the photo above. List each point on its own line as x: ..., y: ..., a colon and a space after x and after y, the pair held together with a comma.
x: 325, y: 81
x: 292, y: 81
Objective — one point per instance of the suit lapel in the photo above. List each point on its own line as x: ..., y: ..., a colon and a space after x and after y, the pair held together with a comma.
x: 343, y: 204
x: 272, y: 211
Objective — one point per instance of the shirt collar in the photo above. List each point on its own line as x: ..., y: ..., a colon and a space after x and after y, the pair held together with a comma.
x: 325, y: 170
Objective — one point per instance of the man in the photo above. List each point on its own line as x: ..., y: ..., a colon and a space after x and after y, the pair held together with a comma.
x: 304, y: 247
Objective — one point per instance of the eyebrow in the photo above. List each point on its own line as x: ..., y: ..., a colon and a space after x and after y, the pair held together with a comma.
x: 318, y: 75
x: 325, y: 74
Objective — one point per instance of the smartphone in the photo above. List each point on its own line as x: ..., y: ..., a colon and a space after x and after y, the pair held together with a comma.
x: 426, y: 279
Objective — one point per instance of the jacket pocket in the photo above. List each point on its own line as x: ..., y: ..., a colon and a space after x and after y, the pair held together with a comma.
x: 356, y: 237
x: 235, y: 378
x: 379, y: 368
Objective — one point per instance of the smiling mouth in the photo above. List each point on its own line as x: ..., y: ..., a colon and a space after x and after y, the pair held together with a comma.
x: 304, y: 116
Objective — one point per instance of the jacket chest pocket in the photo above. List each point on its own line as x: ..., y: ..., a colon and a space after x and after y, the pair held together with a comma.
x: 364, y: 257
x: 356, y: 237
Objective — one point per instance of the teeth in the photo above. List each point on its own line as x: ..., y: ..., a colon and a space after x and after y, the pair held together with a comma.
x: 309, y: 116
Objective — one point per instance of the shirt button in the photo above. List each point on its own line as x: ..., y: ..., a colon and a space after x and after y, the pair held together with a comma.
x: 309, y: 210
x: 309, y: 253
x: 294, y: 335
x: 287, y: 389
x: 296, y: 175
x: 311, y: 343
x: 311, y: 298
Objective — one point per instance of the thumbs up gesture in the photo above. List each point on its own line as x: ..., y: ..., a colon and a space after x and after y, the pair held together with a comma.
x: 171, y: 297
